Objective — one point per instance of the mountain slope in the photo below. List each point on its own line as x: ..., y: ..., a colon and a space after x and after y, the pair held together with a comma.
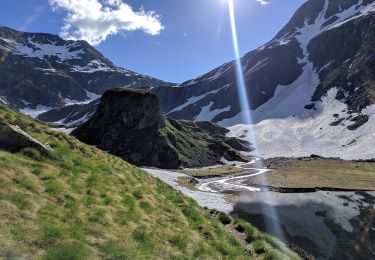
x: 311, y: 88
x: 78, y: 202
x: 39, y: 71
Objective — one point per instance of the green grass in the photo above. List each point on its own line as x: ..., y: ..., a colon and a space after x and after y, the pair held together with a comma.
x: 327, y: 173
x: 192, y: 143
x: 78, y: 202
x: 213, y: 171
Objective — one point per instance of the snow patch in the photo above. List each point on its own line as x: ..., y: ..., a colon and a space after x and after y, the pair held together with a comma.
x: 207, y: 114
x: 92, y: 96
x: 4, y: 100
x: 35, y: 112
x: 32, y: 49
x: 193, y: 100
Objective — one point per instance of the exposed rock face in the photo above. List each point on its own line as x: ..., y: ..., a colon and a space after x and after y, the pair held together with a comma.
x: 14, y: 139
x: 129, y: 123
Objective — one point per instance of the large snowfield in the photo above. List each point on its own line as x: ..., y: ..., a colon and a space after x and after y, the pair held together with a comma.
x: 282, y: 127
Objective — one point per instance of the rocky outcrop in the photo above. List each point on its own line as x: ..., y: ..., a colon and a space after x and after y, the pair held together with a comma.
x: 14, y: 139
x: 129, y: 124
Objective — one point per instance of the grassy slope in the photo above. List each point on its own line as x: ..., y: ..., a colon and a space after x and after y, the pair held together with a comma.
x: 293, y: 173
x: 79, y: 202
x: 193, y: 144
x: 213, y: 171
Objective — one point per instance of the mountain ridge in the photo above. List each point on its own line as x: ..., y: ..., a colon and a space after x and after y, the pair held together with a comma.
x: 40, y: 71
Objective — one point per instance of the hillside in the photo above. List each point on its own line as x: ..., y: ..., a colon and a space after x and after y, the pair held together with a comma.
x: 77, y: 201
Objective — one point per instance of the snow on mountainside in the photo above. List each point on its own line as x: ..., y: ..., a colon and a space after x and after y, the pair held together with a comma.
x: 311, y: 88
x: 40, y: 71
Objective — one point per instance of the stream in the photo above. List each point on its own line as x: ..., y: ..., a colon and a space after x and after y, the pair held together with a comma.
x: 232, y: 183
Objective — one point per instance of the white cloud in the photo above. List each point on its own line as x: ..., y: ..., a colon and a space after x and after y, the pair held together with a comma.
x: 262, y: 2
x: 95, y: 20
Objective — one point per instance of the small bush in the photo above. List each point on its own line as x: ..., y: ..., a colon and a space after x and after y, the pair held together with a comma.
x: 137, y: 194
x: 239, y: 227
x: 224, y: 218
x: 260, y: 247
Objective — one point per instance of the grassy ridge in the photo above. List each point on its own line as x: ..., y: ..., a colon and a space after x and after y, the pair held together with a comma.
x: 79, y: 202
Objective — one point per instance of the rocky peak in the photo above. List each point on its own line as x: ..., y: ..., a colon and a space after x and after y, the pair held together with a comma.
x: 136, y: 109
x: 129, y: 123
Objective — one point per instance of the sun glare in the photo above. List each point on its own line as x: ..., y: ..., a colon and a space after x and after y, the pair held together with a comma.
x: 268, y: 209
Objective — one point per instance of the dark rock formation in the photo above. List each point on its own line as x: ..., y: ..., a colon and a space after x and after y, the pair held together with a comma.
x: 129, y: 123
x: 14, y: 139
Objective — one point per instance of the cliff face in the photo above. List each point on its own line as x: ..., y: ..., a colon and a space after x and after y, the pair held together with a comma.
x: 129, y: 123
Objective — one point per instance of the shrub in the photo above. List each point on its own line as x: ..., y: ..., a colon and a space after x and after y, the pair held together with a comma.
x: 137, y: 194
x: 239, y: 227
x: 224, y: 218
x: 260, y: 247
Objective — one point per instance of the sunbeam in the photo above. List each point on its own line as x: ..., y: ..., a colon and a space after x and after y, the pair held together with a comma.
x: 269, y: 210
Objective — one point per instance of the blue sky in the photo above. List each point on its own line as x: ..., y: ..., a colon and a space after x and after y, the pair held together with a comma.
x: 195, y: 37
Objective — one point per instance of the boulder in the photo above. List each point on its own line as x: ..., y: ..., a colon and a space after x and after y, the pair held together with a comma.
x: 14, y: 139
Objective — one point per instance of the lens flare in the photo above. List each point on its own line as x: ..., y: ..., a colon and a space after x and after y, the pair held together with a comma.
x: 268, y: 209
